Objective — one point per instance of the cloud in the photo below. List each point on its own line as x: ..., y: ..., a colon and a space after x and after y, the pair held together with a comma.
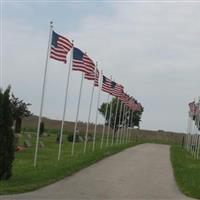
x: 150, y: 48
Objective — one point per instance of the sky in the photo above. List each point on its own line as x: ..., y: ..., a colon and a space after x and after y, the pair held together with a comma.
x: 152, y: 48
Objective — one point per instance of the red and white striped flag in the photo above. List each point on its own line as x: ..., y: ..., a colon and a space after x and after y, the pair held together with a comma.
x: 60, y: 46
x: 91, y: 76
x: 81, y: 62
x: 89, y: 64
x: 117, y: 89
x: 106, y: 85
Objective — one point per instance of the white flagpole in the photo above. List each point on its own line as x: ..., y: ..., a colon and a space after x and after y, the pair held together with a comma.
x: 192, y: 141
x: 131, y: 124
x: 123, y: 124
x: 120, y: 113
x: 121, y: 131
x: 104, y: 126
x: 191, y: 131
x: 97, y: 113
x: 124, y: 129
x: 77, y: 113
x: 65, y: 103
x: 128, y: 121
x: 89, y: 114
x: 108, y: 133
x: 43, y: 92
x: 198, y: 119
x: 187, y: 131
x: 116, y: 111
x: 193, y: 137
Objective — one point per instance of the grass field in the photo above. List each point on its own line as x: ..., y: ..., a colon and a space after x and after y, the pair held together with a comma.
x: 49, y: 169
x: 186, y: 171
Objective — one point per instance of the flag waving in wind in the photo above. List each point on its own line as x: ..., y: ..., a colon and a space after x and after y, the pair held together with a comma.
x: 93, y: 76
x: 106, y: 85
x: 117, y: 89
x: 81, y: 62
x: 60, y: 46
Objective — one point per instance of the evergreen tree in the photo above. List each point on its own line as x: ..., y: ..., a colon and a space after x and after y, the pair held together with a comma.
x: 7, y: 147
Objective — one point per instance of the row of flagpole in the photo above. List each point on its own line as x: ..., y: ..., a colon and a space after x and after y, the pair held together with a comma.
x: 58, y: 47
x: 192, y: 140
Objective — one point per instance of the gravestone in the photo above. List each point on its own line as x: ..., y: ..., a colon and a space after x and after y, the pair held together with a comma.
x: 27, y: 143
x: 28, y: 135
x: 45, y: 134
x: 80, y: 138
x: 41, y: 144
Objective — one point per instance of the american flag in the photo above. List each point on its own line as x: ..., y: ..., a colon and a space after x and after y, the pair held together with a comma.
x: 106, y: 85
x: 124, y: 98
x: 91, y: 76
x: 193, y: 108
x: 81, y: 62
x: 117, y: 89
x: 60, y: 46
x: 136, y: 106
x: 88, y: 62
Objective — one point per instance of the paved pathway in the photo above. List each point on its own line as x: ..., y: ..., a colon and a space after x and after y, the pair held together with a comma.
x: 142, y: 172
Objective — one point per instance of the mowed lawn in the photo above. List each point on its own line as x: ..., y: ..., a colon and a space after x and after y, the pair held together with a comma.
x: 49, y: 169
x: 186, y: 171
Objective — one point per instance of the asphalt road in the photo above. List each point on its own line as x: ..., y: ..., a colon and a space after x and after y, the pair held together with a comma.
x: 142, y: 172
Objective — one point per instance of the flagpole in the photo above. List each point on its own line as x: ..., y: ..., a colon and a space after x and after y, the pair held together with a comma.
x: 108, y: 133
x: 78, y: 107
x: 187, y: 131
x: 103, y: 132
x: 107, y: 140
x: 124, y: 129
x: 97, y: 112
x: 89, y: 114
x: 42, y: 98
x: 128, y: 121
x: 198, y: 120
x: 192, y: 139
x: 120, y: 113
x: 116, y: 111
x: 131, y: 125
x: 195, y: 136
x: 121, y: 131
x: 193, y: 131
x: 65, y: 102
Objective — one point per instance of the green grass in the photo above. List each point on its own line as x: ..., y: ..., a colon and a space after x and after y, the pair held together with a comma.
x: 186, y: 171
x: 49, y: 169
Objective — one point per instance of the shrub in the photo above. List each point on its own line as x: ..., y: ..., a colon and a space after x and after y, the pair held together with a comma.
x: 7, y: 147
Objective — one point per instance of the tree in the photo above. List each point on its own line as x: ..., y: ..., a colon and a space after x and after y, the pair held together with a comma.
x: 20, y: 110
x: 7, y: 147
x: 136, y: 116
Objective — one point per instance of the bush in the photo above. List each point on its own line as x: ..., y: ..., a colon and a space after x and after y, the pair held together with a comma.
x: 7, y: 147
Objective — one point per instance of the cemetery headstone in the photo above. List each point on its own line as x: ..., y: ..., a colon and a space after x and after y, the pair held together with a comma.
x: 41, y: 144
x: 27, y: 143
